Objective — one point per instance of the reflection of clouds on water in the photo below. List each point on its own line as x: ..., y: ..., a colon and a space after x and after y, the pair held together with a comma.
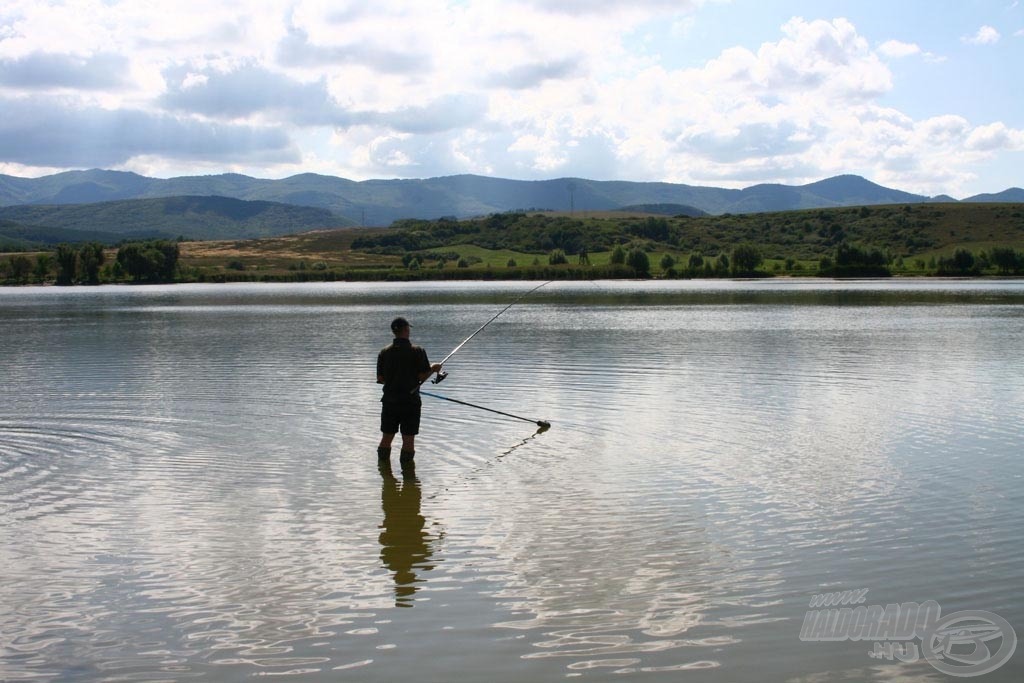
x: 595, y: 575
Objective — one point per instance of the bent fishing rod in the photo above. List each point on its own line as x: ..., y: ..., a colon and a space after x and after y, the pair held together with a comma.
x: 543, y: 424
x: 442, y: 375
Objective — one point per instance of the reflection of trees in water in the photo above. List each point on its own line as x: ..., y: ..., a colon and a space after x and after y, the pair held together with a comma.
x: 405, y: 546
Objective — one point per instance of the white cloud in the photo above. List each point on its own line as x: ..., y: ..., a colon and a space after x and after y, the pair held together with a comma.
x: 986, y: 35
x: 897, y: 49
x: 520, y: 88
x: 995, y: 137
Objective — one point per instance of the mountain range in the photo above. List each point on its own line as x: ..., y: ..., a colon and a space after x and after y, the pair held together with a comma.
x: 218, y: 206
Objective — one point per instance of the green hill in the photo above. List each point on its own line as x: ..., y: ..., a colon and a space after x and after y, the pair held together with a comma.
x: 190, y: 216
x: 902, y: 230
x: 41, y: 237
x: 664, y: 209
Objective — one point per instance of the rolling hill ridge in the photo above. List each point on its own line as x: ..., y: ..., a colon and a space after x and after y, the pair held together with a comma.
x: 381, y: 202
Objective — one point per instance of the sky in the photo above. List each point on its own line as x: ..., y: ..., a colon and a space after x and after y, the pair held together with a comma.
x: 924, y: 96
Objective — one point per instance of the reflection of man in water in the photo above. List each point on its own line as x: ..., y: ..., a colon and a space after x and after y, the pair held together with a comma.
x: 404, y: 544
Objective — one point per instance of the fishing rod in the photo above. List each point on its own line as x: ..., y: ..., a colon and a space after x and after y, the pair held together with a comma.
x: 442, y: 375
x: 543, y: 424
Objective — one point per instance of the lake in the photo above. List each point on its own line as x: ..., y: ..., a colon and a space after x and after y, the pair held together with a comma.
x: 189, y: 488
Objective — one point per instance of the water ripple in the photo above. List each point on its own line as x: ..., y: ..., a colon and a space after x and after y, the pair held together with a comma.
x: 188, y: 488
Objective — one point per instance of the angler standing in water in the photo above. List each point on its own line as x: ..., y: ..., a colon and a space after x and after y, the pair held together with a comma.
x: 401, y: 368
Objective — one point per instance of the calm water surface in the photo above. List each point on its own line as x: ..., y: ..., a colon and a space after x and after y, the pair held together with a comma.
x: 189, y: 488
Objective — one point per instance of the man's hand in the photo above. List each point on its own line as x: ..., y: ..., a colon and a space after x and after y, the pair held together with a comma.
x: 436, y: 367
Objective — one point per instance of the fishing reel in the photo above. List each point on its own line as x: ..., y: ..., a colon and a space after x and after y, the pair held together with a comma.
x: 439, y: 378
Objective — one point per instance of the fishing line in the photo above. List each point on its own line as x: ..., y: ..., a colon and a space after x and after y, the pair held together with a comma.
x: 543, y: 424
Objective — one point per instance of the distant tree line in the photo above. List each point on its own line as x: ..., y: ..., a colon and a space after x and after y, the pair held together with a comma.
x: 152, y: 261
x: 1007, y: 261
x: 853, y: 260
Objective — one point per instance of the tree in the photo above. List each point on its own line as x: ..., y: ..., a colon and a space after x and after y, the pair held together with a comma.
x: 584, y: 257
x: 136, y: 262
x: 155, y: 261
x: 638, y: 260
x: 852, y: 260
x: 44, y: 262
x: 557, y: 257
x: 19, y: 267
x: 618, y: 255
x: 963, y: 260
x: 696, y: 260
x: 1006, y: 260
x: 745, y: 259
x: 852, y: 255
x: 511, y: 263
x: 961, y: 263
x: 67, y: 264
x: 667, y: 262
x: 652, y: 228
x: 90, y: 257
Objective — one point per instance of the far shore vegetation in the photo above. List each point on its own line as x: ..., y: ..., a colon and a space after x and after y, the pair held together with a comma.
x: 960, y: 240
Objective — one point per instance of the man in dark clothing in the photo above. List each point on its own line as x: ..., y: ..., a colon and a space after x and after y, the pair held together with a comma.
x: 401, y: 368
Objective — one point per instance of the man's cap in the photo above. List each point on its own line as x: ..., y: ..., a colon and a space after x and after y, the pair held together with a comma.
x: 399, y: 323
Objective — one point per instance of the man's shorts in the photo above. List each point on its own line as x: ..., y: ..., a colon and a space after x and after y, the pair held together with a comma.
x: 404, y: 417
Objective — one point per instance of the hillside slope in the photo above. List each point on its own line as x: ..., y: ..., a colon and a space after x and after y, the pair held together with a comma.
x: 196, y: 217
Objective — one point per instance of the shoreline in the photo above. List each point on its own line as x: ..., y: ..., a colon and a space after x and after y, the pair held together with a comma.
x: 493, y: 280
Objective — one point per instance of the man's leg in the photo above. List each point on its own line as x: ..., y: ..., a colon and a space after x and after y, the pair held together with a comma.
x: 408, y: 450
x: 410, y: 428
x: 388, y: 428
x: 384, y: 448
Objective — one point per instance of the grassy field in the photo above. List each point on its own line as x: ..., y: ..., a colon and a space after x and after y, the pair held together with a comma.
x: 286, y: 256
